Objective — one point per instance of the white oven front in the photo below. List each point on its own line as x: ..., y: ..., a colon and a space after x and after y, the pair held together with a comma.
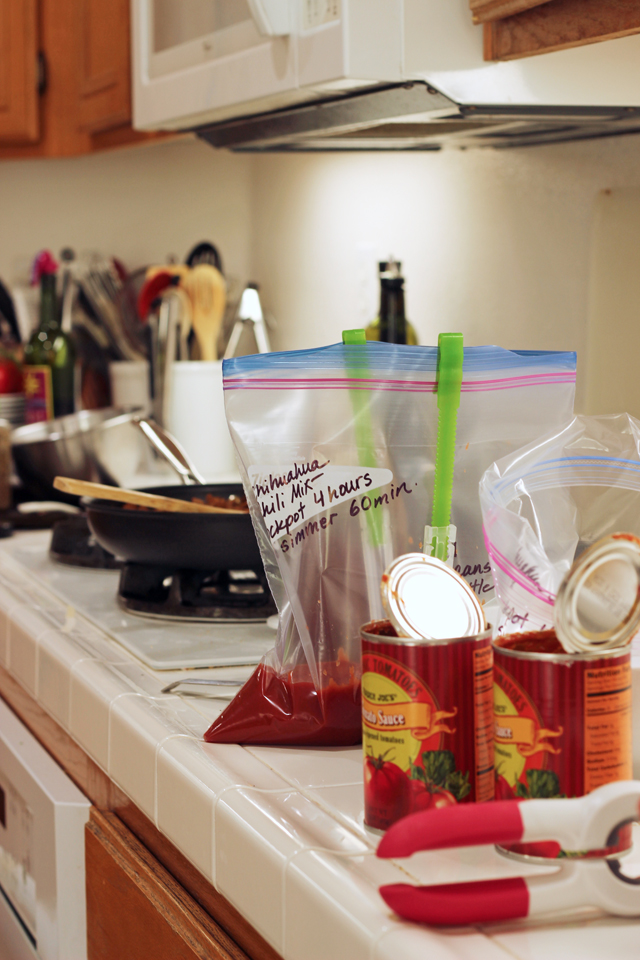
x: 42, y: 869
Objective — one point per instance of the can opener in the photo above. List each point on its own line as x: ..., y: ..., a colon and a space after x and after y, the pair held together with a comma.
x: 585, y: 823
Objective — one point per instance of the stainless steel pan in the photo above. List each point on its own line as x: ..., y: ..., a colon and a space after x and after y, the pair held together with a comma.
x: 104, y: 446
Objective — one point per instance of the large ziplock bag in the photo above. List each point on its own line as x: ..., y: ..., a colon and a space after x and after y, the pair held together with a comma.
x: 336, y: 448
x: 544, y: 504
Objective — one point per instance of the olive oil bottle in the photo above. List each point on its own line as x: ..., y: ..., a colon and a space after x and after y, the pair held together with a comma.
x: 49, y: 359
x: 391, y: 324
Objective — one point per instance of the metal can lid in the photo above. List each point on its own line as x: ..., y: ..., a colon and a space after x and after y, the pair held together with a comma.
x: 598, y: 604
x: 427, y: 600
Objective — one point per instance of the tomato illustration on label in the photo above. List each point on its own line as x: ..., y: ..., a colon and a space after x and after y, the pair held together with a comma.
x: 522, y: 743
x: 404, y: 727
x: 387, y: 789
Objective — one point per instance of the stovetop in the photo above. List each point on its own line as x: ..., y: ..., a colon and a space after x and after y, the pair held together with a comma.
x: 223, y: 596
x: 161, y: 645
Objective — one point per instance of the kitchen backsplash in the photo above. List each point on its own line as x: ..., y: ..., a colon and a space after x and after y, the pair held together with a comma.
x: 495, y: 244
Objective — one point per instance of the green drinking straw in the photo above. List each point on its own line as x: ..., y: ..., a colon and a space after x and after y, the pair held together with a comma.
x: 449, y: 378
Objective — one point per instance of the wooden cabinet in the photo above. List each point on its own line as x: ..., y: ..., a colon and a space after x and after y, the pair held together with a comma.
x: 19, y: 118
x: 135, y: 908
x: 65, y: 77
x: 485, y: 10
x: 145, y: 900
x: 543, y: 26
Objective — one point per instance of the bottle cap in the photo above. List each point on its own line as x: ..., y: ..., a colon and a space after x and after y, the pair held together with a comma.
x: 598, y: 604
x: 390, y: 269
x: 427, y: 600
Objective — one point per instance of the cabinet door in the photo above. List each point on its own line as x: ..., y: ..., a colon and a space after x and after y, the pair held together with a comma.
x: 103, y: 52
x: 485, y: 10
x: 19, y: 121
x: 136, y: 910
x: 559, y: 25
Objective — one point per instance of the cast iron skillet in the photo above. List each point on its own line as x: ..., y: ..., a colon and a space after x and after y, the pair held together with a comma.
x: 184, y: 541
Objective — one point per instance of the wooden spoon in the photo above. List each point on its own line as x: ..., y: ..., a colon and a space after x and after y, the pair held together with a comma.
x: 207, y: 292
x: 84, y: 488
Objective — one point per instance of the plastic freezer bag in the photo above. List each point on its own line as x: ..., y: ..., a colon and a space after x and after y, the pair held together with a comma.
x: 544, y: 504
x: 336, y: 447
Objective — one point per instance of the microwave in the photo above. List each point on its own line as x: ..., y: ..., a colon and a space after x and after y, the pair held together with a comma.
x: 365, y: 74
x: 196, y: 61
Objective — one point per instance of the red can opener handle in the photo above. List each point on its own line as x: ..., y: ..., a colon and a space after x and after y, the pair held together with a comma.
x: 585, y: 823
x: 457, y: 904
x: 582, y: 823
x: 468, y: 825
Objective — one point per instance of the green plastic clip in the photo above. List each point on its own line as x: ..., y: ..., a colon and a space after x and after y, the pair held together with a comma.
x: 352, y: 337
x: 449, y: 378
x: 358, y: 369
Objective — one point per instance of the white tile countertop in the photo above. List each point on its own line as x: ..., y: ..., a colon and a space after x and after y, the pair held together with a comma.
x: 278, y: 831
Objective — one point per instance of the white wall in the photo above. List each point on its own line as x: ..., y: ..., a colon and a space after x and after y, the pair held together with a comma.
x: 495, y: 244
x: 140, y: 204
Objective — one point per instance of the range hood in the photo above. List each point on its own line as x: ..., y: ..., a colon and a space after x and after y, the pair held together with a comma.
x: 414, y: 116
x: 372, y: 75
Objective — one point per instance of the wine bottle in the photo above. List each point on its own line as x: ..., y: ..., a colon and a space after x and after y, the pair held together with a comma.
x: 49, y: 359
x: 391, y: 324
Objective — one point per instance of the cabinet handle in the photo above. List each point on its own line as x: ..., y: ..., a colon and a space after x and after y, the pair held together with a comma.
x: 41, y: 73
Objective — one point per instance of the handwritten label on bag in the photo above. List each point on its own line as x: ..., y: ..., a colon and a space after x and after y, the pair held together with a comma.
x: 289, y: 496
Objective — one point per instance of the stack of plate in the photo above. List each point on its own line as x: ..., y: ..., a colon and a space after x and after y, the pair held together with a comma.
x: 12, y: 408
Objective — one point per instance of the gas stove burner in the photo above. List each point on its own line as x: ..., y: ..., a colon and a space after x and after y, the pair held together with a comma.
x: 73, y: 543
x: 226, y: 596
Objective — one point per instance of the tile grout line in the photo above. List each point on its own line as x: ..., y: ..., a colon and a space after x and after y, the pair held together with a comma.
x: 285, y: 869
x: 125, y: 693
x: 159, y: 746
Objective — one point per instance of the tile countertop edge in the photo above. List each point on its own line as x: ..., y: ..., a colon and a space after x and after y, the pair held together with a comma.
x: 236, y: 798
x: 251, y: 821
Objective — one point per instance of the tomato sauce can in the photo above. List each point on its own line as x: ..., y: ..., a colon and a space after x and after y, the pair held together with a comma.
x: 427, y: 708
x: 562, y: 726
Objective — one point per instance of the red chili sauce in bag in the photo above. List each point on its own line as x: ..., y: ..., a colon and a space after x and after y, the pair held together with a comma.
x: 272, y: 708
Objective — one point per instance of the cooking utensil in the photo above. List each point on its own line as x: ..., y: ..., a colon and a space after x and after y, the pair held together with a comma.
x: 170, y: 326
x: 183, y: 306
x: 101, y: 287
x: 201, y: 681
x: 8, y: 313
x: 206, y: 288
x: 249, y: 313
x: 187, y: 541
x: 583, y: 824
x: 99, y: 445
x: 151, y: 289
x: 169, y: 448
x: 83, y: 488
x: 205, y: 252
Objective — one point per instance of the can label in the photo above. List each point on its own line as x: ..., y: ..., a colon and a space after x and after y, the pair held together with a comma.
x: 483, y: 716
x: 522, y: 743
x: 562, y: 728
x: 38, y: 392
x: 607, y: 725
x: 424, y: 749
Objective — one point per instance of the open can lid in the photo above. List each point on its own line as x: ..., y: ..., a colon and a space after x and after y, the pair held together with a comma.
x: 598, y: 604
x: 427, y: 600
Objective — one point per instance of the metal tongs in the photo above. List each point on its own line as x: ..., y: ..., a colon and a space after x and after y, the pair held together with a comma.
x: 588, y: 823
x: 249, y: 313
